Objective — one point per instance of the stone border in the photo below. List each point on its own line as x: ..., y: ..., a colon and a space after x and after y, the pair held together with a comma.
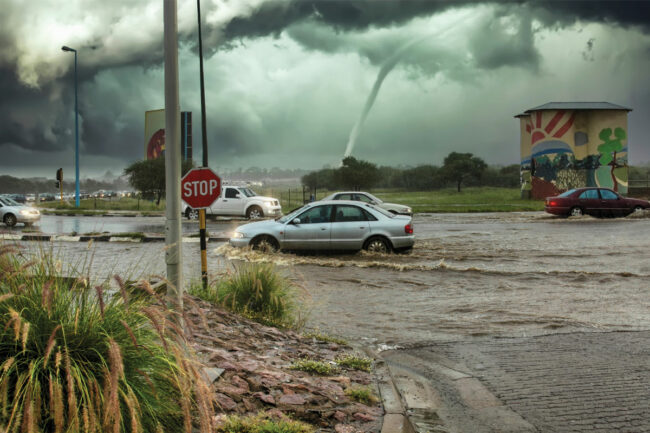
x: 99, y: 238
x: 395, y: 418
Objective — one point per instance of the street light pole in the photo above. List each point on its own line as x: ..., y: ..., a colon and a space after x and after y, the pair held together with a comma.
x: 76, y: 128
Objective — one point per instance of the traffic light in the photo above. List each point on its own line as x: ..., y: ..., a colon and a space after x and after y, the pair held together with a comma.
x: 59, y: 175
x: 57, y: 184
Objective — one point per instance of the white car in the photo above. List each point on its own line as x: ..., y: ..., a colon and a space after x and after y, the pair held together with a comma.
x: 12, y: 212
x: 366, y: 197
x: 330, y: 225
x: 239, y: 201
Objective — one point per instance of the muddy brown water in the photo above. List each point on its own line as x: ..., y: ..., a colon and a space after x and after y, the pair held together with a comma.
x: 468, y: 274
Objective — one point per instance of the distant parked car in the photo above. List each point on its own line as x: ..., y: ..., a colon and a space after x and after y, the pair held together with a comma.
x: 600, y: 202
x: 12, y: 212
x: 330, y: 225
x: 366, y: 197
x: 30, y: 197
x: 20, y: 198
x: 46, y: 196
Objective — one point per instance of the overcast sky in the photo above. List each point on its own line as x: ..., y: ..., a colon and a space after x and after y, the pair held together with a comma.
x: 286, y: 80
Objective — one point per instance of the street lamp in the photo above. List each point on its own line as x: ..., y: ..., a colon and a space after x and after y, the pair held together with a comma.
x: 76, y: 127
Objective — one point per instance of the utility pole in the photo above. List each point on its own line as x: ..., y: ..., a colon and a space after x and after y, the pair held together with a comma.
x: 204, y: 254
x: 173, y: 252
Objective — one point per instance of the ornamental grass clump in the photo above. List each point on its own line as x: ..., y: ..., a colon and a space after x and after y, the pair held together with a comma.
x: 75, y: 359
x: 256, y: 291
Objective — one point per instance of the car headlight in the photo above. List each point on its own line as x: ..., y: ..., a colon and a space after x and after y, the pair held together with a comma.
x: 237, y: 235
x: 268, y: 203
x: 24, y: 212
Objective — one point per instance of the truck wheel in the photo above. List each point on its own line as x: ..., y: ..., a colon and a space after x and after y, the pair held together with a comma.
x: 254, y: 212
x: 10, y: 220
x: 192, y: 214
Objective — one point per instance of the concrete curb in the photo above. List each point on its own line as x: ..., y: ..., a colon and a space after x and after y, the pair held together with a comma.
x: 395, y: 417
x: 99, y: 238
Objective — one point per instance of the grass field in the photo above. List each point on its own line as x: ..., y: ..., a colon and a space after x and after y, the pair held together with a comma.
x: 474, y: 199
x: 91, y: 205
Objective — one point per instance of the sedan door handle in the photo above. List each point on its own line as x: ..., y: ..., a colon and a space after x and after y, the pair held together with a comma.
x: 323, y: 228
x: 362, y: 228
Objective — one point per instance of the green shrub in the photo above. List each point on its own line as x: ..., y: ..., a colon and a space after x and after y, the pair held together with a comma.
x: 355, y: 362
x: 74, y: 359
x: 263, y: 423
x: 256, y: 291
x: 361, y: 394
x: 317, y: 367
x: 319, y: 336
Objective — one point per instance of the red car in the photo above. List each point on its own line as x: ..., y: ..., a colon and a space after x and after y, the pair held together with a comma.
x: 593, y: 201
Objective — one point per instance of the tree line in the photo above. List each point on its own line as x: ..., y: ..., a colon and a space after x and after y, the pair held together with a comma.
x: 458, y: 170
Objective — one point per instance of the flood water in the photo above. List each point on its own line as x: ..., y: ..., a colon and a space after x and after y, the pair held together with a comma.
x: 483, y: 274
x: 468, y: 274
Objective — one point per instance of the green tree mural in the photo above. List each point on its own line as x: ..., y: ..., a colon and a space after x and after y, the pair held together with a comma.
x: 608, y: 149
x: 610, y: 145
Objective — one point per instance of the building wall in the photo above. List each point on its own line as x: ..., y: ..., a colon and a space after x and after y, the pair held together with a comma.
x: 564, y: 149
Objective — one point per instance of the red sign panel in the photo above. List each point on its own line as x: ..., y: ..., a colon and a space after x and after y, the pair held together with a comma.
x: 200, y: 187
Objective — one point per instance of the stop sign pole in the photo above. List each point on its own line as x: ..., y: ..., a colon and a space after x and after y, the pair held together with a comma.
x: 200, y: 187
x: 204, y: 256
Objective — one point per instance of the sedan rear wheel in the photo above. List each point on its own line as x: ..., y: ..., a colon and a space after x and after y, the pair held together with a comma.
x: 377, y: 245
x: 576, y: 211
x: 638, y: 208
x: 10, y: 220
x: 192, y: 214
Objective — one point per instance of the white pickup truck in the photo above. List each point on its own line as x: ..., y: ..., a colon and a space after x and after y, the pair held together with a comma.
x: 238, y: 201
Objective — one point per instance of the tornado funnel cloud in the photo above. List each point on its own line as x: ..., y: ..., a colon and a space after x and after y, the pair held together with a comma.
x: 385, y: 69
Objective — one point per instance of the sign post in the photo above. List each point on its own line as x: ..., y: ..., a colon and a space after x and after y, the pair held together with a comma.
x: 200, y: 187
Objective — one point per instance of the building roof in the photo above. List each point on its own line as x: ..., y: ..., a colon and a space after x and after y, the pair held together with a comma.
x: 576, y: 106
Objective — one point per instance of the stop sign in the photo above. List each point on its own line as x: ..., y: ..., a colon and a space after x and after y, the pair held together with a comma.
x: 200, y: 187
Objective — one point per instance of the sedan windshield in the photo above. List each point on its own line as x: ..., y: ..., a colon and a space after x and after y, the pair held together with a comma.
x: 381, y: 210
x: 377, y: 200
x: 9, y: 202
x: 291, y: 215
x: 567, y: 193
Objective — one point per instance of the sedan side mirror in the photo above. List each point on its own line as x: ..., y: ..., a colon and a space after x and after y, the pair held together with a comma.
x: 296, y: 221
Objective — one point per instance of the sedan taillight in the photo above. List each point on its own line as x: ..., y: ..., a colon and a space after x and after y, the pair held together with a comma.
x: 408, y: 229
x: 552, y: 203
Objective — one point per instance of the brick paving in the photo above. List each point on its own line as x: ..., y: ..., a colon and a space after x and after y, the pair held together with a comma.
x: 581, y: 382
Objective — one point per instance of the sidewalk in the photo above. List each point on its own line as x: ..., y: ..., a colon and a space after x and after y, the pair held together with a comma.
x: 577, y: 382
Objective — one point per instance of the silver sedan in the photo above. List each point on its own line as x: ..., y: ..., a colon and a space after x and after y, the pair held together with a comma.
x: 330, y: 225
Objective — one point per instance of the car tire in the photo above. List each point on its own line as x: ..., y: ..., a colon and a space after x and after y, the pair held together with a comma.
x: 192, y: 214
x: 638, y: 209
x: 576, y: 211
x: 10, y: 220
x: 254, y: 212
x: 377, y: 244
x: 265, y: 244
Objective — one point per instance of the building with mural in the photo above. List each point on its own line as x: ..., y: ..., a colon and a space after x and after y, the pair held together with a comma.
x: 568, y: 145
x: 154, y: 134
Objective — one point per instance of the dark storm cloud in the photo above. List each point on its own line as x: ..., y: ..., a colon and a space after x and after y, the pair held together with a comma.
x: 37, y: 104
x: 622, y: 12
